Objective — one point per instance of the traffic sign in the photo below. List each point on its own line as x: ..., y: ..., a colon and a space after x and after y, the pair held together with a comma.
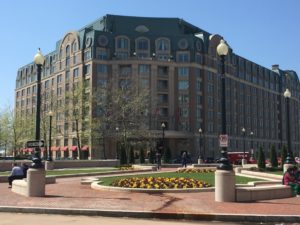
x: 35, y: 144
x: 223, y: 139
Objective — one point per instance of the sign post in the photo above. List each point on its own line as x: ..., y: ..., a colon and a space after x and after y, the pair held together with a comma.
x: 35, y: 144
x: 223, y: 140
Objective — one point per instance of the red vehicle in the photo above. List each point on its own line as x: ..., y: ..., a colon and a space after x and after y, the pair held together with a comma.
x: 236, y: 157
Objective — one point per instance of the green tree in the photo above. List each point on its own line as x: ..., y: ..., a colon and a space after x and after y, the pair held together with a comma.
x: 283, y: 154
x: 123, y: 156
x: 131, y: 155
x: 261, y: 159
x: 142, y: 155
x: 152, y: 156
x: 273, y: 157
x: 167, y: 155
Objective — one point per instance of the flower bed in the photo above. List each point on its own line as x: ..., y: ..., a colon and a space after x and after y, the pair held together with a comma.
x: 195, y: 170
x: 159, y: 183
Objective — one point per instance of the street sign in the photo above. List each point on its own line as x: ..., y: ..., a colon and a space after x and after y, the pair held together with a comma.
x: 223, y: 139
x: 35, y: 144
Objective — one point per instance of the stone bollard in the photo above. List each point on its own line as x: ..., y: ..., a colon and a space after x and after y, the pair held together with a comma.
x: 36, y: 181
x: 286, y: 166
x: 49, y: 165
x: 225, y: 186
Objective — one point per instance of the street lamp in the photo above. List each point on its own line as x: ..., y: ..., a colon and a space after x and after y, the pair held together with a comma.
x: 163, y: 127
x: 39, y: 60
x: 289, y: 159
x: 200, y: 138
x: 117, y: 148
x: 222, y: 50
x: 244, y: 145
x: 50, y: 114
x: 252, y: 150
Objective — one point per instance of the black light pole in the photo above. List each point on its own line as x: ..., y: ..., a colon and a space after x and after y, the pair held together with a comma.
x: 39, y: 61
x: 222, y: 50
x: 200, y: 139
x: 244, y: 143
x: 50, y: 132
x: 117, y: 148
x: 289, y: 159
x: 252, y: 150
x: 163, y: 126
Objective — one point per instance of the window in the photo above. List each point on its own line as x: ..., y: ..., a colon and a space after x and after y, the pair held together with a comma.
x: 67, y: 87
x: 163, y: 70
x: 144, y: 69
x: 76, y: 73
x: 125, y: 70
x: 34, y: 89
x: 68, y: 51
x: 144, y: 83
x: 183, y: 72
x: 124, y: 83
x: 183, y: 57
x: 87, y: 69
x: 184, y: 112
x: 87, y: 55
x: 59, y: 79
x: 67, y: 78
x: 183, y: 99
x: 47, y: 82
x: 183, y: 85
x: 102, y: 69
x: 163, y: 44
x: 102, y: 54
x: 122, y: 43
x: 162, y: 85
x: 74, y: 46
x: 163, y: 111
x: 198, y: 99
x: 102, y: 83
x: 28, y: 91
x: 198, y: 85
x: 74, y: 59
x: 162, y: 98
x: 142, y: 44
x: 59, y: 91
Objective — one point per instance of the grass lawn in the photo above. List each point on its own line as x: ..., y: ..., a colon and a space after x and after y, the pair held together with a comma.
x: 71, y: 171
x: 207, y: 177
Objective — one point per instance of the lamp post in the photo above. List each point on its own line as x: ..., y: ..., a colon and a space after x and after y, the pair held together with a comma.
x: 50, y: 114
x: 163, y: 127
x: 222, y: 50
x: 200, y: 139
x: 244, y: 145
x: 117, y: 148
x: 289, y: 159
x: 39, y: 60
x: 252, y: 150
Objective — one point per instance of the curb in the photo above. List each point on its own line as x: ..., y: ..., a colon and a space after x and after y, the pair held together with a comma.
x: 156, y: 215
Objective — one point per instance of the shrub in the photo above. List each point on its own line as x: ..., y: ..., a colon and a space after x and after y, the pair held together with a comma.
x: 123, y: 156
x: 131, y: 155
x: 261, y: 159
x: 273, y: 157
x: 283, y: 154
x: 167, y: 155
x: 142, y: 156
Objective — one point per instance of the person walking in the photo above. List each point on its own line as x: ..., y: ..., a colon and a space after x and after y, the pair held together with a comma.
x: 16, y: 173
x: 184, y: 159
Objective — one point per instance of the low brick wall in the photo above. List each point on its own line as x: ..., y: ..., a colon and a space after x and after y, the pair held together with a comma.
x: 61, y: 164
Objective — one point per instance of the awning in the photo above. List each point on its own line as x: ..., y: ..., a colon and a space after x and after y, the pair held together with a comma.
x: 65, y: 148
x: 74, y: 148
x: 30, y: 149
x: 85, y: 148
x: 53, y: 148
x: 24, y: 149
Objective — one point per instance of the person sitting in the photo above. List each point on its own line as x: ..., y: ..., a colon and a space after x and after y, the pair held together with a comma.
x: 25, y: 167
x: 16, y: 173
x: 290, y: 179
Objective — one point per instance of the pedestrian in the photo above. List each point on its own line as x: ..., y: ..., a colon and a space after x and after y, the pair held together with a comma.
x: 158, y: 160
x: 184, y: 159
x: 25, y: 167
x: 16, y: 173
x: 290, y: 179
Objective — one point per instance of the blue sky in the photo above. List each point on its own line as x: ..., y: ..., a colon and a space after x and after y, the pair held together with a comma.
x: 264, y: 31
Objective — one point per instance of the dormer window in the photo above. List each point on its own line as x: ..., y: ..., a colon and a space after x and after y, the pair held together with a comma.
x: 122, y: 43
x: 163, y: 44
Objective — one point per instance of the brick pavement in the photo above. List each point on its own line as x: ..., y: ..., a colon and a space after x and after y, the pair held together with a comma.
x: 69, y: 193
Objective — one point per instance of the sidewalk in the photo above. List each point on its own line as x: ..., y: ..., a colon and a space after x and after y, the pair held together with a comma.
x: 68, y: 196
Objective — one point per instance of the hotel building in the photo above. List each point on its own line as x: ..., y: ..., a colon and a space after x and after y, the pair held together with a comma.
x: 177, y: 62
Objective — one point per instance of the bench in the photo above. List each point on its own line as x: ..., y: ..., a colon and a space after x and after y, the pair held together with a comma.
x: 247, y: 194
x: 21, y: 186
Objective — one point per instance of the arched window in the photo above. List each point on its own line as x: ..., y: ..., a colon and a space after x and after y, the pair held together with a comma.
x: 74, y: 46
x: 142, y: 44
x: 122, y: 43
x: 68, y: 50
x: 163, y: 44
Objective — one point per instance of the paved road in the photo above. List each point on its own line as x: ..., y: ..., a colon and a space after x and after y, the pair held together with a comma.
x: 42, y: 219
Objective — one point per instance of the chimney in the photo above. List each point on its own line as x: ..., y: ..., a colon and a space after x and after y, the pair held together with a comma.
x: 275, y: 67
